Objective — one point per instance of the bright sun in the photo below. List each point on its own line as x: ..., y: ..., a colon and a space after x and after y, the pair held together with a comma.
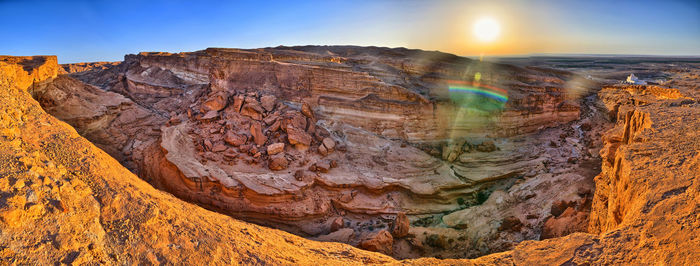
x: 486, y: 29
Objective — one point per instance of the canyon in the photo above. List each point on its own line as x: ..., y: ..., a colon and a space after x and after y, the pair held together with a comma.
x: 365, y: 146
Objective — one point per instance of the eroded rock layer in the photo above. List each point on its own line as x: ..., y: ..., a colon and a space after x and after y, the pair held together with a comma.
x: 64, y: 200
x: 303, y: 138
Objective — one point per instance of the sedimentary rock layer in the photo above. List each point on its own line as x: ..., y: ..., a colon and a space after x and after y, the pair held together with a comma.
x: 65, y: 200
x: 358, y: 134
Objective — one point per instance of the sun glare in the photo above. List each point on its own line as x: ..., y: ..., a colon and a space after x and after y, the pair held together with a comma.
x: 486, y: 29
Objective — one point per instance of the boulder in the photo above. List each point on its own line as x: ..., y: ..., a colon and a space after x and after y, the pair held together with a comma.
x: 275, y: 148
x: 250, y: 112
x: 379, y: 242
x: 322, y: 150
x: 246, y: 148
x: 321, y: 166
x: 268, y: 102
x: 329, y: 144
x: 278, y: 162
x: 235, y: 139
x: 295, y: 119
x: 215, y: 102
x: 211, y: 115
x: 337, y: 224
x: 218, y: 147
x: 271, y: 118
x: 297, y: 136
x: 238, y: 102
x: 256, y: 132
x: 274, y: 127
x: 306, y: 110
x: 401, y: 225
x: 510, y: 223
x: 486, y: 146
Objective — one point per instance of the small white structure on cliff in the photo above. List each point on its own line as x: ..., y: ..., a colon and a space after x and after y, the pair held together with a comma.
x: 632, y: 79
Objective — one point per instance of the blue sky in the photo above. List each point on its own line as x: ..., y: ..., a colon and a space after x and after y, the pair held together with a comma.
x: 79, y: 31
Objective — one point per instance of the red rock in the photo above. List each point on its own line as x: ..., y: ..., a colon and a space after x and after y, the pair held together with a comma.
x: 322, y: 166
x: 235, y: 139
x: 274, y: 127
x: 246, y: 148
x: 218, y: 147
x: 510, y: 223
x: 207, y: 144
x: 271, y: 118
x: 249, y: 112
x: 329, y: 144
x: 306, y: 110
x: 215, y: 102
x: 256, y: 132
x: 278, y: 162
x: 337, y: 224
x: 380, y: 242
x: 275, y: 148
x: 252, y: 103
x: 238, y: 102
x: 268, y: 102
x: 297, y: 136
x: 401, y: 225
x: 322, y: 150
x: 211, y: 115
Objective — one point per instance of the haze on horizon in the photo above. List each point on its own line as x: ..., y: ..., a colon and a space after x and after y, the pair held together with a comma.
x: 83, y: 31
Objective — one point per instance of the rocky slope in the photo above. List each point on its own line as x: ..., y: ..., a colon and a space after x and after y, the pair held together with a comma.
x: 316, y: 139
x: 646, y: 208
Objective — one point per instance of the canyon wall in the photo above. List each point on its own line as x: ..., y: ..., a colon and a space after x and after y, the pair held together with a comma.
x: 314, y: 140
x: 66, y: 201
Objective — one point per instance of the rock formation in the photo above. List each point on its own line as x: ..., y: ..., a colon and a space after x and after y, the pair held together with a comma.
x: 66, y: 201
x: 294, y: 138
x: 319, y: 141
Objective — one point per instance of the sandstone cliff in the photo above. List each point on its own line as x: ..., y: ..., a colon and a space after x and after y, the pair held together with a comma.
x: 361, y: 135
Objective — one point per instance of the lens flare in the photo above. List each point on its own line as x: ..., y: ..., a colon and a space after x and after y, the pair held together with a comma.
x: 476, y: 88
